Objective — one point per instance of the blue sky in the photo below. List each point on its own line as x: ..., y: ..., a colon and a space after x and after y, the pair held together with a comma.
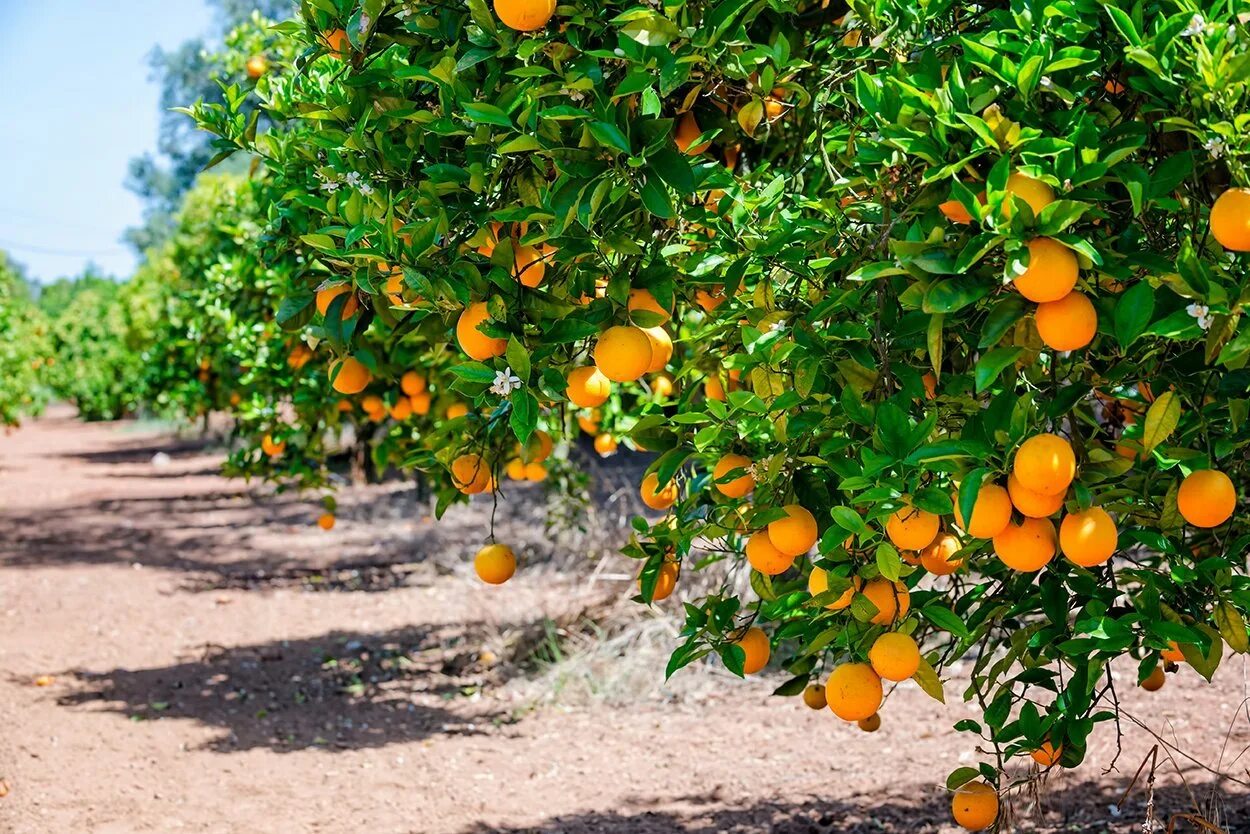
x: 76, y: 103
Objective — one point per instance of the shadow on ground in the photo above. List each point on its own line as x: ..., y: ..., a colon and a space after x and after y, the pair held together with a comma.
x: 338, y: 691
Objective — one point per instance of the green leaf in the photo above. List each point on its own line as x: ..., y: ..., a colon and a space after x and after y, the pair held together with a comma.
x: 929, y: 682
x: 1231, y: 627
x: 992, y: 363
x: 1133, y: 311
x: 945, y: 619
x: 610, y: 135
x: 474, y: 372
x: 489, y: 114
x: 1204, y: 664
x: 1161, y: 420
x: 520, y: 144
x: 674, y: 169
x: 524, y: 417
x: 655, y: 198
x: 518, y: 359
x: 889, y: 562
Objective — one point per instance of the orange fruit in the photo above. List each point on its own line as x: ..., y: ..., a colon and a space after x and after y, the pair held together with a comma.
x: 394, y: 290
x: 975, y: 806
x: 891, y: 599
x: 525, y: 15
x: 1172, y: 653
x: 401, y: 410
x: 1030, y: 503
x: 456, y: 411
x: 894, y: 656
x: 299, y: 356
x: 938, y: 559
x: 272, y: 447
x: 336, y: 42
x: 954, y: 211
x: 709, y: 299
x: 665, y: 581
x: 870, y: 724
x: 755, y: 643
x: 470, y: 473
x: 853, y: 691
x: 326, y: 521
x: 1155, y: 680
x: 991, y: 512
x: 349, y: 375
x: 795, y: 534
x: 589, y: 422
x: 327, y: 295
x: 1067, y: 324
x: 911, y: 528
x: 1206, y: 498
x: 623, y: 353
x: 662, y: 386
x: 587, y: 388
x: 1047, y: 755
x: 420, y: 403
x: 1033, y: 191
x: 814, y: 696
x: 818, y: 583
x: 605, y: 444
x: 529, y: 264
x: 495, y: 564
x: 642, y: 300
x: 373, y: 405
x: 257, y: 65
x: 1088, y: 538
x: 714, y: 386
x: 687, y: 132
x: 1026, y: 547
x: 1230, y: 219
x: 765, y: 557
x: 476, y: 344
x: 1051, y: 273
x: 539, y: 447
x: 412, y: 383
x: 654, y: 496
x: 1045, y: 463
x: 661, y: 348
x: 515, y: 469
x: 739, y: 486
x: 490, y: 239
x: 535, y: 472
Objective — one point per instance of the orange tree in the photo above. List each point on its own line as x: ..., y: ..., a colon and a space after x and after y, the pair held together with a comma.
x: 25, y: 353
x: 910, y: 299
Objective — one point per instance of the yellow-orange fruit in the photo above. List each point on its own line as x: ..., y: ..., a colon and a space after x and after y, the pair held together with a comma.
x: 687, y: 132
x: 818, y: 583
x: 795, y: 534
x: 336, y: 42
x: 515, y: 469
x: 975, y: 806
x: 373, y: 404
x: 605, y: 444
x: 911, y: 528
x: 1067, y: 324
x: 539, y: 447
x: 1051, y: 273
x: 1047, y: 755
x: 1230, y: 219
x: 535, y: 472
x: 739, y: 486
x: 299, y: 356
x: 765, y: 557
x: 710, y: 299
x: 1088, y: 538
x: 641, y: 300
x: 529, y: 264
x: 661, y: 348
x: 938, y: 558
x: 350, y: 375
x: 456, y: 411
x: 589, y: 422
x: 665, y: 581
x: 524, y: 15
x: 755, y: 643
x: 1155, y: 680
x: 655, y: 496
x: 476, y: 344
x: 1206, y: 498
x: 402, y: 409
x: 588, y: 387
x: 495, y: 564
x: 490, y: 239
x: 1173, y: 653
x: 470, y: 473
x: 894, y: 656
x: 870, y: 724
x: 420, y: 403
x: 257, y: 65
x: 814, y: 696
x: 991, y: 512
x: 1033, y: 191
x: 891, y: 599
x: 412, y: 383
x: 394, y: 290
x: 955, y: 212
x: 662, y: 386
x: 327, y: 295
x: 1031, y: 503
x: 1026, y: 547
x: 272, y: 447
x: 623, y: 353
x: 853, y: 691
x: 326, y: 521
x: 1045, y: 463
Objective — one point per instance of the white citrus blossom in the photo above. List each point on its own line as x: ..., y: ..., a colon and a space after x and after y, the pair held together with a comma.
x: 505, y: 382
x: 1202, y: 313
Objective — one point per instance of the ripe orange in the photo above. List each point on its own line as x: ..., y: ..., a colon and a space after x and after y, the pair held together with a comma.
x: 755, y: 643
x: 373, y: 406
x: 818, y: 583
x: 272, y: 447
x: 299, y: 356
x: 1034, y: 192
x: 870, y: 724
x: 525, y: 15
x: 495, y: 564
x: 1172, y: 653
x: 589, y: 422
x: 529, y: 264
x: 490, y: 239
x: 654, y: 496
x: 1067, y: 324
x: 991, y: 512
x: 853, y: 691
x: 665, y: 581
x: 623, y: 353
x: 257, y: 65
x: 327, y: 295
x: 420, y: 403
x: 326, y: 521
x: 1089, y: 538
x: 795, y: 534
x: 395, y: 289
x: 535, y: 472
x: 765, y: 557
x: 662, y: 386
x: 739, y: 486
x: 938, y: 558
x: 349, y: 375
x: 412, y: 383
x: 1045, y: 463
x: 588, y: 387
x: 1230, y: 219
x: 1207, y: 498
x: 687, y: 132
x: 1051, y: 273
x: 714, y: 386
x: 538, y: 449
x: 1026, y: 547
x: 814, y: 696
x: 605, y: 444
x: 642, y: 300
x: 1030, y: 503
x: 515, y: 469
x: 476, y: 344
x: 1047, y: 755
x: 894, y: 656
x: 336, y: 42
x: 1155, y: 680
x: 470, y: 474
x: 401, y: 410
x: 911, y: 528
x: 661, y: 348
x: 955, y: 212
x: 709, y: 299
x: 975, y: 806
x: 453, y: 412
x: 891, y: 599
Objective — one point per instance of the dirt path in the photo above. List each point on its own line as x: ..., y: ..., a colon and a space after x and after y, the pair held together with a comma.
x: 216, y: 664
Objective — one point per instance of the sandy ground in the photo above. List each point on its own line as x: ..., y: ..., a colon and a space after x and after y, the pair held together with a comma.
x: 179, y: 652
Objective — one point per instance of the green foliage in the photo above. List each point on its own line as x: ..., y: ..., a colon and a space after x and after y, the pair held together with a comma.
x: 24, y: 348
